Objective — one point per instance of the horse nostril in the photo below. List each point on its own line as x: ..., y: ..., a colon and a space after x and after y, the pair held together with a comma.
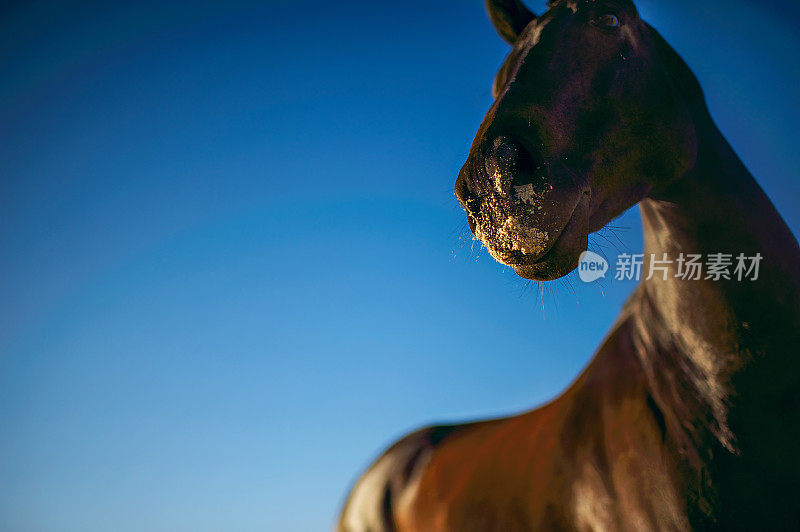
x: 509, y: 164
x: 535, y: 176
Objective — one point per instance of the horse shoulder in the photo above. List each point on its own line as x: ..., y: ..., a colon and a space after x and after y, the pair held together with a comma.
x: 390, y: 481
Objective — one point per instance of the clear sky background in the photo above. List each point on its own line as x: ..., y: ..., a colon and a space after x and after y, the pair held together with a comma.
x: 232, y: 268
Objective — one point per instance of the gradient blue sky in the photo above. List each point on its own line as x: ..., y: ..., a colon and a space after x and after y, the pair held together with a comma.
x: 230, y: 261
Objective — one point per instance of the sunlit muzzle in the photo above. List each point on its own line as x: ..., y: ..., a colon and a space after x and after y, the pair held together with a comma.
x: 504, y: 200
x: 514, y: 206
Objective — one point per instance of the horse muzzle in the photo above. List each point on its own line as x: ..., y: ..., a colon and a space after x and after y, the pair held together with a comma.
x: 527, y: 213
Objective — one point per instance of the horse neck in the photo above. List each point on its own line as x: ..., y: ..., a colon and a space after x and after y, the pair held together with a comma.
x: 718, y: 354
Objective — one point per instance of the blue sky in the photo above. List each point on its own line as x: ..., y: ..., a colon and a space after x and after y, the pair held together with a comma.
x: 231, y: 264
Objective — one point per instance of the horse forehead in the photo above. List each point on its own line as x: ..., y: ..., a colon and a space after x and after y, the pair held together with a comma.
x: 576, y: 5
x: 557, y: 10
x: 533, y: 32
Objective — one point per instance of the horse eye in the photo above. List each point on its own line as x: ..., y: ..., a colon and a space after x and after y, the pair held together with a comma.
x: 607, y: 20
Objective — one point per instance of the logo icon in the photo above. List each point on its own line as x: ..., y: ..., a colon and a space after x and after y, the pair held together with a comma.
x: 592, y: 267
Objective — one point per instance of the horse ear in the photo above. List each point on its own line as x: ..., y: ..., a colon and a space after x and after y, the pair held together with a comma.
x: 509, y: 17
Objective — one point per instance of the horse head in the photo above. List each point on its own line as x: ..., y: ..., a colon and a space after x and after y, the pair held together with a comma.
x: 593, y: 111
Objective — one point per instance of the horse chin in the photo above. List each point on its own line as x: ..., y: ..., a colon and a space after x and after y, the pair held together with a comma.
x: 549, y: 268
x: 564, y: 255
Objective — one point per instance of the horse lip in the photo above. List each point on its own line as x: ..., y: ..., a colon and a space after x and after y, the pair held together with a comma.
x: 549, y: 250
x: 546, y: 253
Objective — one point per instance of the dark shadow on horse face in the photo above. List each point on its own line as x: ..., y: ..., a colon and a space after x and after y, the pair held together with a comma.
x: 591, y: 114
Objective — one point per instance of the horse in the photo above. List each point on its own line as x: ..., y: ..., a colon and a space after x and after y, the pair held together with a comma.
x: 687, y: 416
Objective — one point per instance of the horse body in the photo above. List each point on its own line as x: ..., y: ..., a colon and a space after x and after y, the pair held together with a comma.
x: 687, y: 417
